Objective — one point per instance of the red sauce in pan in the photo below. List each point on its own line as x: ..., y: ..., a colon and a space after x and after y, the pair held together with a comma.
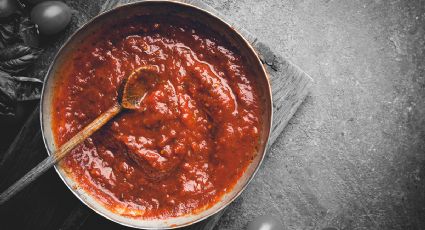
x: 196, y: 133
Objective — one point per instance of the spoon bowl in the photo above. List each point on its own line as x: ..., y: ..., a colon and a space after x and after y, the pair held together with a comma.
x: 137, y: 86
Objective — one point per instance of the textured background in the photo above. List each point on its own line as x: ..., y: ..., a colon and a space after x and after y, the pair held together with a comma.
x: 353, y: 157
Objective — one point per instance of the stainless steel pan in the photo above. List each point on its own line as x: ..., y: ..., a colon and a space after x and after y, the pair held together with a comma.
x: 167, y: 9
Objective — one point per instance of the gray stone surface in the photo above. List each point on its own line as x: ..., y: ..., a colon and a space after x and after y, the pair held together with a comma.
x: 353, y: 157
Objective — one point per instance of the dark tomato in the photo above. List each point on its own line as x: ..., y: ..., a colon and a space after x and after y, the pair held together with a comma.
x: 265, y: 223
x: 51, y: 16
x: 7, y: 7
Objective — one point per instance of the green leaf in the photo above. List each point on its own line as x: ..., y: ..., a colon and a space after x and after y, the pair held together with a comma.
x: 16, y: 58
x: 28, y: 32
x: 18, y: 29
x: 7, y: 94
x: 14, y: 89
x: 7, y: 33
x: 28, y: 88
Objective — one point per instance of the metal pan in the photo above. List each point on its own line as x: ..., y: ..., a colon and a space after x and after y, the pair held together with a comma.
x: 167, y: 9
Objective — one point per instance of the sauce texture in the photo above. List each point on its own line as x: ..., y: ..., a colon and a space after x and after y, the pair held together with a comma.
x: 197, y: 129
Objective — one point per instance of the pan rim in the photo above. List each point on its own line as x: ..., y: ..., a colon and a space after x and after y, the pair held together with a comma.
x: 220, y: 20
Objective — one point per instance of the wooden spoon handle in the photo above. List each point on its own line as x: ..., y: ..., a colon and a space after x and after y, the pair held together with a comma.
x: 60, y: 153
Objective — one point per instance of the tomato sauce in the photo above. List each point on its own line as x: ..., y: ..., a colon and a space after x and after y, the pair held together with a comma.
x: 196, y: 132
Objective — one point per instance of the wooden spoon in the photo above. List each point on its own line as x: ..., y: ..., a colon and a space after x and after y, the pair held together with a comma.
x: 133, y: 91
